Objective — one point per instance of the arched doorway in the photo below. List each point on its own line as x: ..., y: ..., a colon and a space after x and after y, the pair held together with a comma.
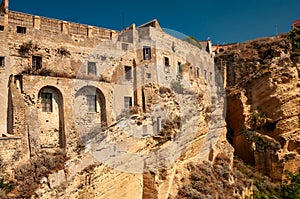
x: 90, y: 110
x: 51, y: 118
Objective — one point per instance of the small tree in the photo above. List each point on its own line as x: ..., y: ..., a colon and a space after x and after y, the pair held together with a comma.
x: 177, y: 87
x: 290, y: 188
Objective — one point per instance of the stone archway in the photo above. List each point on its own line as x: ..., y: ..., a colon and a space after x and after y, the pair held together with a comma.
x: 51, y: 118
x: 90, y: 110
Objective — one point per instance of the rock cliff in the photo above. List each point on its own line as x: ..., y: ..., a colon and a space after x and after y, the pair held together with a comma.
x: 263, y: 101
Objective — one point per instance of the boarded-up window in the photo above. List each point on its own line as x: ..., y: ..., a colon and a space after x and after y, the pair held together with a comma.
x: 127, y: 102
x: 147, y: 52
x: 92, y: 68
x: 91, y: 103
x: 46, y: 102
x: 36, y: 62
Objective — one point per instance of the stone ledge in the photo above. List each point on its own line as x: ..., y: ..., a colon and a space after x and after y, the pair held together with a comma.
x: 10, y: 137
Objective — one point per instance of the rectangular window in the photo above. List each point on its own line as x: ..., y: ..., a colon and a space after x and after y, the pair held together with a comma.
x: 147, y: 52
x: 91, y: 103
x: 205, y: 74
x: 128, y: 72
x: 1, y: 28
x: 166, y: 61
x: 92, y: 68
x: 179, y: 67
x: 127, y: 102
x: 21, y: 30
x: 148, y: 75
x: 36, y: 62
x: 124, y: 46
x: 198, y: 72
x: 210, y: 76
x: 191, y: 70
x: 46, y: 102
x: 2, y: 61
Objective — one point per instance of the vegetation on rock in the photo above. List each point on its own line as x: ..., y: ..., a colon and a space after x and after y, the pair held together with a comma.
x: 192, y: 40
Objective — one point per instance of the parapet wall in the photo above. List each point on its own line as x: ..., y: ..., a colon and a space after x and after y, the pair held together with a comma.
x: 56, y: 26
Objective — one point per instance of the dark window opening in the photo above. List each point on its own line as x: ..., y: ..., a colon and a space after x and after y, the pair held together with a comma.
x: 210, y: 76
x: 148, y: 75
x: 128, y: 72
x: 1, y: 28
x: 127, y: 102
x: 2, y: 61
x: 205, y: 74
x: 46, y: 102
x: 198, y: 72
x: 147, y: 52
x: 92, y: 68
x: 91, y: 103
x: 21, y: 30
x: 166, y: 61
x: 179, y: 67
x: 191, y: 70
x: 36, y: 62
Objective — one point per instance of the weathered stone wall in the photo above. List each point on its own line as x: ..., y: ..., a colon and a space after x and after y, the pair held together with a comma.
x: 66, y: 50
x: 32, y: 85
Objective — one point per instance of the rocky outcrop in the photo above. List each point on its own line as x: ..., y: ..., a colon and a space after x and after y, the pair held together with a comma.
x: 145, y: 154
x: 263, y: 102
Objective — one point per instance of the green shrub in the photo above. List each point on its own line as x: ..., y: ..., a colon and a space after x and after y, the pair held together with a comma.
x: 294, y: 36
x: 6, y: 186
x: 177, y: 87
x: 261, y: 143
x: 290, y: 188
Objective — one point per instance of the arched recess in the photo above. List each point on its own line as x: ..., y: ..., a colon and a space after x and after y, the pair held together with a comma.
x: 90, y: 109
x: 51, y: 118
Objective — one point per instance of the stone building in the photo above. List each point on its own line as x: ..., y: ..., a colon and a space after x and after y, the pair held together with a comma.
x: 60, y: 80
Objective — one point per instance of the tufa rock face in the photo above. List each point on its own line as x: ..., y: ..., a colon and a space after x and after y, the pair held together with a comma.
x: 86, y: 176
x: 263, y: 102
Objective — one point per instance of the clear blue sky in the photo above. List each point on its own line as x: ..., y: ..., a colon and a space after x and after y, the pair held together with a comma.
x: 223, y: 21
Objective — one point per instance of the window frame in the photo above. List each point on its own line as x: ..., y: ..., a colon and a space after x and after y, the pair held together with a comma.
x: 36, y: 62
x: 146, y: 52
x: 2, y: 61
x: 148, y: 75
x: 91, y: 101
x: 129, y: 102
x: 179, y: 68
x: 21, y: 30
x: 47, y: 106
x: 91, y: 68
x: 128, y: 72
x: 166, y: 61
